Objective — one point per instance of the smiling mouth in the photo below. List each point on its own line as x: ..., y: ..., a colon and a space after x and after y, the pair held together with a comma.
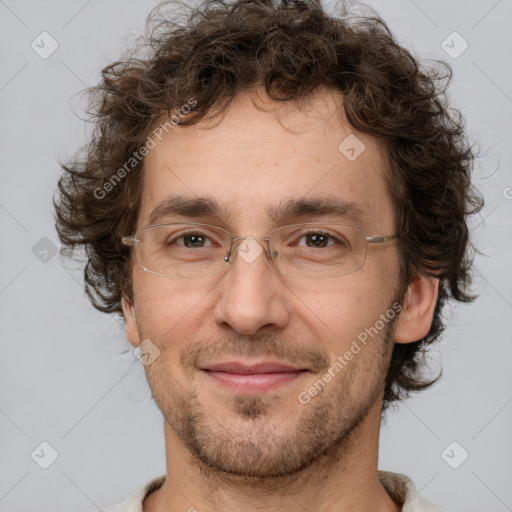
x: 255, y: 378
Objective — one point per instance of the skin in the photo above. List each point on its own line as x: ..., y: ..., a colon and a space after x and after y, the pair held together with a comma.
x: 229, y: 451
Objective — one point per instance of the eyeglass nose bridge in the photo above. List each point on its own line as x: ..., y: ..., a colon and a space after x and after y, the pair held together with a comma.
x: 238, y: 239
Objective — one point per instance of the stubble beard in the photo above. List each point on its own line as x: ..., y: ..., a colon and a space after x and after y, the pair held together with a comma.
x: 258, y: 443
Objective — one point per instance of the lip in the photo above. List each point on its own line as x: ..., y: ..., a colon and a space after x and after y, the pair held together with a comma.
x: 253, y: 378
x: 251, y: 369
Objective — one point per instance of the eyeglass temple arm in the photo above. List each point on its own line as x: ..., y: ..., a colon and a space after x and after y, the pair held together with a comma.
x: 379, y: 239
x: 129, y: 240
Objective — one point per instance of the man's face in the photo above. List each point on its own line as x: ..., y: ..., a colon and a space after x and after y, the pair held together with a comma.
x: 250, y: 314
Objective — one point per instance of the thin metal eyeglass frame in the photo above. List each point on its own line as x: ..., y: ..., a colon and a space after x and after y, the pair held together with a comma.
x: 133, y: 241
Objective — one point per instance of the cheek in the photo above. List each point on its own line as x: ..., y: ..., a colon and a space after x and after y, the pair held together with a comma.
x: 340, y: 310
x: 169, y: 310
x: 155, y: 300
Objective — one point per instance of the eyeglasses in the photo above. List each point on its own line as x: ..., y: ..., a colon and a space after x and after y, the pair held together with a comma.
x: 311, y: 250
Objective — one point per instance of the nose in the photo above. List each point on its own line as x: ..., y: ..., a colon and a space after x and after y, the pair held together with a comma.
x: 252, y: 293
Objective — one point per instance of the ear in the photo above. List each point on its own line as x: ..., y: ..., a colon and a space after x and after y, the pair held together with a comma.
x: 417, y: 312
x: 130, y: 319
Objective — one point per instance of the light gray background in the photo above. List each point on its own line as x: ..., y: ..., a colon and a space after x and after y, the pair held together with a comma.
x: 63, y: 376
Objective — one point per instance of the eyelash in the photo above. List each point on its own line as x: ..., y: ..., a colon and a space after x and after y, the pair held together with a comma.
x: 302, y: 235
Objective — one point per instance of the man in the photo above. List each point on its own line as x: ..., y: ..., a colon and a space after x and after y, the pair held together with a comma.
x: 276, y: 200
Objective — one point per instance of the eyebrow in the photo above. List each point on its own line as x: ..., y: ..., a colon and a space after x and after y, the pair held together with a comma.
x: 202, y: 206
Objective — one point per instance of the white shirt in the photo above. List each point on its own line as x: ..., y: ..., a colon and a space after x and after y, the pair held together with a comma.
x: 398, y: 486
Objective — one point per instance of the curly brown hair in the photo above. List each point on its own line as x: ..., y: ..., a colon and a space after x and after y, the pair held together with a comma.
x: 291, y: 47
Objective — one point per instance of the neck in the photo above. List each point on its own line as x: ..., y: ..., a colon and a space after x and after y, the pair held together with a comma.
x: 343, y: 479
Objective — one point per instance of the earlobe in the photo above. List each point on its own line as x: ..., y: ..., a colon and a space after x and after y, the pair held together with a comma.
x: 130, y: 318
x: 418, y: 308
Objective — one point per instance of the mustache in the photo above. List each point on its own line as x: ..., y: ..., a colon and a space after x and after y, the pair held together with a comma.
x: 303, y: 355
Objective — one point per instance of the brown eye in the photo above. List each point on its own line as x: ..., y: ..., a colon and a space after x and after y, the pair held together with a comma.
x: 320, y: 240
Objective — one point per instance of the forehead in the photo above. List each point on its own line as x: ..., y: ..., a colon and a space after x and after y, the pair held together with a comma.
x: 262, y: 158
